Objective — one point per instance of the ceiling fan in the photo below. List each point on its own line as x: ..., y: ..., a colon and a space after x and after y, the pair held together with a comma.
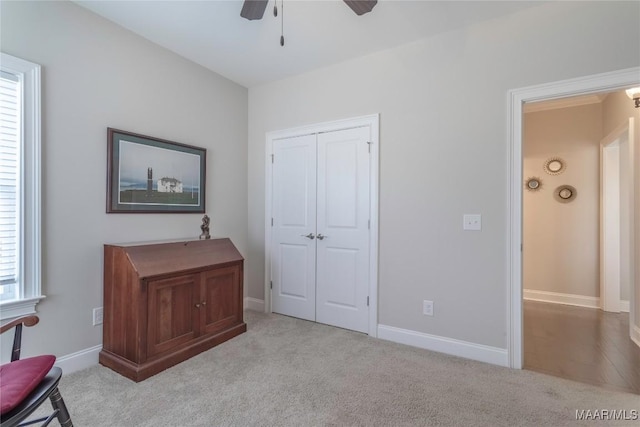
x: 254, y: 9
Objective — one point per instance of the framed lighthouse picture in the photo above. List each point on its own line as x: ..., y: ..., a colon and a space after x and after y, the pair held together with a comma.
x: 153, y: 175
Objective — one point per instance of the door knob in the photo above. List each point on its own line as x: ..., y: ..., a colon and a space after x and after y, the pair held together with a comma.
x: 321, y: 237
x: 197, y: 305
x: 309, y: 236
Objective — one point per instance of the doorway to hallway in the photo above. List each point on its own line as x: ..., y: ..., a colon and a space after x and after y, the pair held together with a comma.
x: 593, y: 84
x: 578, y: 250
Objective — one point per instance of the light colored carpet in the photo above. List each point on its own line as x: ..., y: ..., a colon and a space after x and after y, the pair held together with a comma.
x: 290, y: 372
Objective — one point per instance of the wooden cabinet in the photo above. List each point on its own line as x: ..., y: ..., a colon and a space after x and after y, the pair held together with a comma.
x: 166, y: 302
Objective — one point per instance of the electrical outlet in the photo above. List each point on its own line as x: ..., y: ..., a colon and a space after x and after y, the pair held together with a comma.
x: 98, y: 315
x: 472, y: 222
x: 427, y: 308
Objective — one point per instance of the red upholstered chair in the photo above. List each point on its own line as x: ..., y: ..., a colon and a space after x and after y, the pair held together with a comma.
x: 25, y: 384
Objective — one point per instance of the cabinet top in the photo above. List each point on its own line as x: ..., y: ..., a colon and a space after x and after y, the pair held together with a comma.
x: 154, y: 258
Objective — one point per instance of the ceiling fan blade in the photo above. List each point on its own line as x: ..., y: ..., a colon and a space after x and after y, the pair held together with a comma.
x: 253, y: 9
x: 360, y: 7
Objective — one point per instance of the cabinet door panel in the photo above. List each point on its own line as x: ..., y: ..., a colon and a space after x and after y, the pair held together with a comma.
x: 221, y: 292
x: 172, y: 316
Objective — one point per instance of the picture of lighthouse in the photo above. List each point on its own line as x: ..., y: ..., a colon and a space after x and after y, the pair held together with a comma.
x: 156, y: 176
x: 149, y: 182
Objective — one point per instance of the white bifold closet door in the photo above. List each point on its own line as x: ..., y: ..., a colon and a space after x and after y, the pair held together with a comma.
x: 320, y: 247
x: 293, y: 255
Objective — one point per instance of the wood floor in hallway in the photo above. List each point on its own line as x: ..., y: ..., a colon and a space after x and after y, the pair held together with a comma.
x: 581, y: 344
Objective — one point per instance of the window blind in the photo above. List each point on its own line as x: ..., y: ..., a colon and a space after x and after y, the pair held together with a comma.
x: 10, y: 114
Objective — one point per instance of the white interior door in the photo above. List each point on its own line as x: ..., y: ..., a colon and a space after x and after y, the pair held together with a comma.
x: 293, y: 254
x: 342, y: 285
x: 320, y: 253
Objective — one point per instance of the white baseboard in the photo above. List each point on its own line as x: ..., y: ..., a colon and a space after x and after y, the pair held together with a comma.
x: 79, y: 360
x: 635, y: 335
x: 468, y: 350
x: 254, y: 304
x: 569, y: 299
x: 558, y: 298
x: 624, y: 306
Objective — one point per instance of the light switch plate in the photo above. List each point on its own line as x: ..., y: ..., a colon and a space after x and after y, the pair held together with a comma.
x: 472, y: 222
x: 427, y: 308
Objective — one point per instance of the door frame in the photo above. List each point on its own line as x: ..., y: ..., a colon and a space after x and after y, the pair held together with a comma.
x: 609, y: 146
x: 605, y: 82
x: 371, y: 121
x: 609, y: 241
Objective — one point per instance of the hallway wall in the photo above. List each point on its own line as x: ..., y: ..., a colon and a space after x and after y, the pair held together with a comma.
x: 546, y: 226
x: 561, y: 240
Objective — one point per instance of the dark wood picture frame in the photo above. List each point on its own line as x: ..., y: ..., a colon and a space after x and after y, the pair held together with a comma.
x: 153, y: 175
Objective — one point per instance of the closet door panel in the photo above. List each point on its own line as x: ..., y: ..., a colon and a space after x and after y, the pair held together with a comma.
x: 343, y: 229
x: 293, y: 267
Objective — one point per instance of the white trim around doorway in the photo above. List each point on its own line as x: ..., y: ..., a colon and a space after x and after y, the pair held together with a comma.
x: 613, y: 245
x: 372, y: 121
x: 516, y: 98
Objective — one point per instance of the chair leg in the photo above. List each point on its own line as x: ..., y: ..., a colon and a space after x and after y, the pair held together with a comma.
x: 58, y: 404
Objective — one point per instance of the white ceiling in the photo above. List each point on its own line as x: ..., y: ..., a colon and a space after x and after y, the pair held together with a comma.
x: 317, y: 33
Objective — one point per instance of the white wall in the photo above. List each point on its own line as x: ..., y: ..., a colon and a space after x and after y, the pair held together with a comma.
x: 561, y: 240
x: 95, y: 75
x: 442, y: 104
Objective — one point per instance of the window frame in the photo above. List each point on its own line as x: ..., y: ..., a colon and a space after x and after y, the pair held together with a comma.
x: 30, y: 253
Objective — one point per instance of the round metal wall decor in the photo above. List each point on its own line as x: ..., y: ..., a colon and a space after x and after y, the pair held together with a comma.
x: 554, y: 166
x: 533, y: 184
x: 565, y: 193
